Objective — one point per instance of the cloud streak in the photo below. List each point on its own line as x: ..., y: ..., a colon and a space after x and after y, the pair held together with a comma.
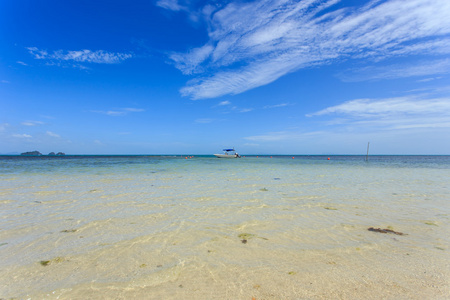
x: 394, y: 115
x: 390, y: 114
x: 283, y: 36
x: 392, y: 106
x: 22, y: 136
x: 171, y: 5
x: 80, y: 56
x: 118, y: 112
x: 420, y: 68
x: 204, y: 121
x: 32, y: 123
x: 52, y: 134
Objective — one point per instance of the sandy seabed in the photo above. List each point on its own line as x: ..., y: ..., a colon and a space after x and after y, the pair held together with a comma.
x: 272, y: 230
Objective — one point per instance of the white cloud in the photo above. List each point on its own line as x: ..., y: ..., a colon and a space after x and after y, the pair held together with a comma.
x: 170, y: 5
x: 226, y: 102
x: 47, y: 117
x: 280, y: 37
x: 32, y: 123
x: 118, y: 112
x: 4, y: 126
x: 390, y: 114
x: 113, y: 113
x: 80, y: 56
x: 356, y: 118
x: 22, y: 136
x: 22, y: 63
x: 190, y: 62
x: 276, y: 105
x: 429, y: 79
x: 52, y: 134
x: 38, y: 54
x: 129, y: 109
x: 184, y: 6
x: 5, y: 81
x: 420, y: 68
x: 365, y: 108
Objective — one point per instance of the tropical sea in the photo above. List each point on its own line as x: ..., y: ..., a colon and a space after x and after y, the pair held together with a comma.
x: 200, y: 227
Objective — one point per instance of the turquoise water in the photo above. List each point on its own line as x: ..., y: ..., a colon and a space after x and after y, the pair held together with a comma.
x: 280, y: 227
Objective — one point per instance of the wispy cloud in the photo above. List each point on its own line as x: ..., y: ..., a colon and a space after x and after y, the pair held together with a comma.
x: 80, y: 56
x: 366, y: 108
x: 190, y: 63
x: 223, y: 103
x: 392, y: 114
x: 204, y: 121
x: 420, y: 68
x: 276, y: 105
x: 129, y: 109
x: 32, y: 123
x: 52, y: 134
x: 186, y: 7
x: 4, y: 126
x: 22, y: 136
x: 5, y: 81
x: 282, y: 36
x: 429, y: 79
x: 118, y: 112
x: 357, y: 116
x: 171, y: 5
x: 229, y: 108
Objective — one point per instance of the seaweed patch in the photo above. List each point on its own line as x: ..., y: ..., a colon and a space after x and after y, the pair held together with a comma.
x: 431, y: 223
x: 330, y: 208
x: 386, y: 230
x: 48, y: 262
x: 244, y: 237
x: 44, y: 262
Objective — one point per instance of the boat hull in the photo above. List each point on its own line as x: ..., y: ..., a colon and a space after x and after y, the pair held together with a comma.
x: 225, y: 156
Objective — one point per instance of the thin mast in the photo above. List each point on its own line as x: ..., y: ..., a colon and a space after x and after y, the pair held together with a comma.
x: 367, y: 155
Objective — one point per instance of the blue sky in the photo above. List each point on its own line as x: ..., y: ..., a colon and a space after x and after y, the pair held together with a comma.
x: 193, y: 77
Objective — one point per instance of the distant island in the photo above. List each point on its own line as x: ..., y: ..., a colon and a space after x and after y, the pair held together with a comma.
x: 32, y: 153
x: 37, y: 153
x: 57, y: 154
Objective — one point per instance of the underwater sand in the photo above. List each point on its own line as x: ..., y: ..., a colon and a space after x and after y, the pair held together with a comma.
x: 208, y: 228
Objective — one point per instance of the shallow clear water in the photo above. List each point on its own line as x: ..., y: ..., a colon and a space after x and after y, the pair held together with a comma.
x: 266, y: 227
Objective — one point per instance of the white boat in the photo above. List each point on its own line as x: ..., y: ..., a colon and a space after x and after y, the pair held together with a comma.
x: 228, y: 153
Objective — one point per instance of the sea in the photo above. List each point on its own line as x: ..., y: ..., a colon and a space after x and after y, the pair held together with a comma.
x: 200, y: 227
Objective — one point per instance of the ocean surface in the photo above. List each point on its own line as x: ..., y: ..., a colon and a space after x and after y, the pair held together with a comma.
x: 183, y: 227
